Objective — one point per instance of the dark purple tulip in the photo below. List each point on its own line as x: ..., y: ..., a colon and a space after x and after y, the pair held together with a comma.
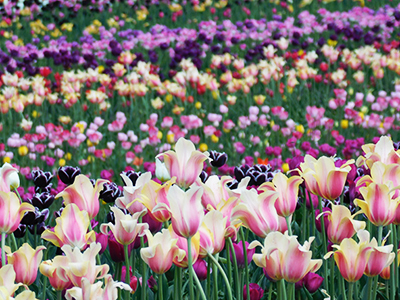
x: 20, y: 232
x: 256, y: 292
x: 218, y: 159
x: 110, y: 192
x: 132, y: 175
x: 67, y: 174
x: 151, y: 283
x: 41, y: 179
x: 42, y: 201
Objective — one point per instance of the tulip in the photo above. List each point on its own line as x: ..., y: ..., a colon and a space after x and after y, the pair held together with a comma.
x: 126, y: 227
x: 256, y: 292
x: 312, y: 282
x: 117, y: 252
x: 186, y: 163
x: 183, y: 245
x: 341, y: 224
x: 133, y: 279
x: 323, y: 178
x: 287, y: 190
x: 257, y: 212
x: 55, y: 271
x: 71, y: 229
x: 380, y: 258
x: 283, y: 257
x: 7, y: 279
x: 25, y: 295
x: 161, y: 251
x: 83, y: 194
x: 383, y: 151
x: 212, y: 233
x: 83, y: 265
x: 133, y: 191
x: 200, y: 268
x: 351, y: 257
x: 185, y: 209
x: 25, y: 262
x: 215, y: 190
x: 93, y: 291
x: 378, y: 205
x: 238, y: 248
x: 11, y: 211
x: 9, y: 178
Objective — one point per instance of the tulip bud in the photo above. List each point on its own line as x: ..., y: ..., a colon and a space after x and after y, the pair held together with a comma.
x: 256, y: 292
x: 200, y: 267
x: 161, y: 171
x: 42, y: 201
x: 312, y: 282
x: 67, y: 174
x: 238, y: 248
x: 103, y: 240
x: 151, y: 283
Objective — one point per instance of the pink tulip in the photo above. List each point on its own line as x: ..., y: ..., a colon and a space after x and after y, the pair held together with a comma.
x: 71, y: 229
x: 185, y: 209
x: 126, y: 227
x: 212, y: 233
x: 257, y: 212
x: 161, y: 251
x: 54, y: 270
x: 283, y: 257
x: 83, y: 194
x: 287, y: 190
x: 25, y: 262
x: 186, y: 163
x: 11, y: 211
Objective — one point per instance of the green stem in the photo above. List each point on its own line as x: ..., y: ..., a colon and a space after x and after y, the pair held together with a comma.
x: 3, y: 245
x: 190, y: 266
x: 235, y: 270
x: 350, y: 291
x: 228, y: 260
x: 44, y: 287
x: 369, y: 289
x: 160, y: 287
x: 215, y: 283
x: 325, y: 266
x: 143, y: 264
x: 396, y: 262
x: 291, y: 291
x: 282, y: 289
x: 374, y: 287
x: 208, y: 286
x: 216, y: 263
x: 179, y: 283
x: 270, y: 291
x: 380, y: 230
x: 332, y: 278
x: 342, y: 289
x: 246, y: 264
x: 202, y: 294
x: 392, y: 268
x: 127, y: 277
x: 288, y: 226
x: 59, y: 295
x: 14, y: 242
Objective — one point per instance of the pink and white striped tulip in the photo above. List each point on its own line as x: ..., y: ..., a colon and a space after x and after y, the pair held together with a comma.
x: 378, y: 205
x: 323, y: 178
x: 257, y: 212
x: 161, y: 251
x: 351, y: 257
x: 83, y: 194
x: 212, y: 233
x: 282, y: 257
x: 341, y: 224
x: 7, y: 279
x: 382, y: 151
x: 83, y: 265
x: 11, y: 211
x: 126, y: 227
x: 287, y: 189
x: 185, y: 209
x: 71, y: 229
x: 54, y: 270
x: 185, y: 163
x: 9, y: 178
x: 25, y: 262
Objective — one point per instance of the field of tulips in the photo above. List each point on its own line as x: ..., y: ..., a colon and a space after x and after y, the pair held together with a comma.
x: 199, y: 149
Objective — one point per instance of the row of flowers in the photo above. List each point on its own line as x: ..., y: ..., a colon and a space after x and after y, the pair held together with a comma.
x: 203, y: 217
